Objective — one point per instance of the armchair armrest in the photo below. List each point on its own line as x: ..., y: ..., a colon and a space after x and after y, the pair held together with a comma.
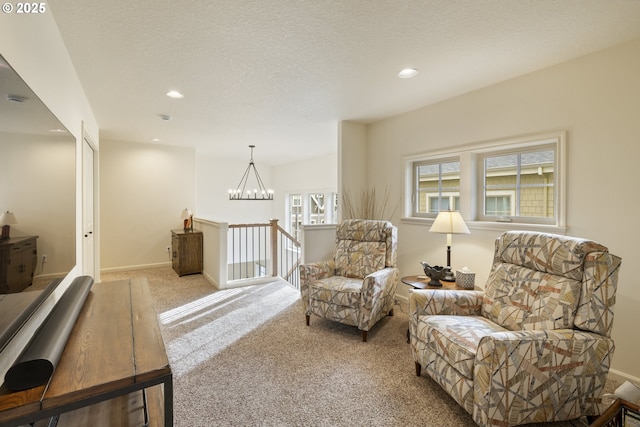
x: 440, y: 301
x: 540, y: 373
x: 311, y: 272
x: 377, y: 282
x: 378, y: 293
x: 316, y: 270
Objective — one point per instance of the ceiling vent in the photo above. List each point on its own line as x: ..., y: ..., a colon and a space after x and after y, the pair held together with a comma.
x: 16, y: 98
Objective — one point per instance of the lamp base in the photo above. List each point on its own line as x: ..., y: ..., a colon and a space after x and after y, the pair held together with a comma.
x: 5, y: 232
x: 450, y: 277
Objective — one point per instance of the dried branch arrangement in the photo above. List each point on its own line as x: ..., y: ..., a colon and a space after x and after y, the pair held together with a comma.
x: 367, y: 205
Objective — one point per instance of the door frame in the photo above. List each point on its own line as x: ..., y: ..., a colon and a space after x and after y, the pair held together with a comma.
x: 90, y: 267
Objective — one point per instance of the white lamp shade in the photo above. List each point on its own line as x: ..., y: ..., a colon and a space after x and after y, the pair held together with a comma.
x: 449, y: 222
x: 186, y: 214
x: 8, y: 218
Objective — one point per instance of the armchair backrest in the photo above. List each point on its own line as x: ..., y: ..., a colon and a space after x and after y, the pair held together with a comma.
x: 364, y: 247
x: 548, y: 281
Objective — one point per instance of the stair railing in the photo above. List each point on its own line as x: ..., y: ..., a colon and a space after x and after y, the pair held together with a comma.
x: 261, y: 250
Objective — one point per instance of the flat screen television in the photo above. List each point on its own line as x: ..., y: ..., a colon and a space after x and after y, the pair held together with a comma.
x: 38, y: 185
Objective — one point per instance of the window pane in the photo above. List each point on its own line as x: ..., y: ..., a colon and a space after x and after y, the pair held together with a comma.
x: 450, y: 176
x: 536, y: 184
x: 520, y: 184
x: 317, y: 207
x: 295, y: 215
x: 436, y: 185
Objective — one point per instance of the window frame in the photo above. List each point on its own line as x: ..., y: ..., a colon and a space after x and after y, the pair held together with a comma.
x: 471, y: 179
x: 514, y: 217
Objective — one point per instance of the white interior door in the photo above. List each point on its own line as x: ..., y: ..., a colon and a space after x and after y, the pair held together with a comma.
x: 88, y: 249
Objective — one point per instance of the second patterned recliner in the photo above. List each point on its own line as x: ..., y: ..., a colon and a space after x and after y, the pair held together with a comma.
x: 536, y: 344
x: 357, y: 287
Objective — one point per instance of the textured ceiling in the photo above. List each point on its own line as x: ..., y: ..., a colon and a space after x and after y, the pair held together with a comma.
x: 281, y: 74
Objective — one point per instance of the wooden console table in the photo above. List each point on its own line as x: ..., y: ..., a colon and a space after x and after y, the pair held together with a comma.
x: 114, y: 350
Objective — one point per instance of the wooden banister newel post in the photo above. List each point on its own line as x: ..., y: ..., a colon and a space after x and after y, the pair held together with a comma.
x: 274, y: 247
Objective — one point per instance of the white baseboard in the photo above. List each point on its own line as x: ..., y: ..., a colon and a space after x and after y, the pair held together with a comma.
x: 621, y: 377
x: 134, y: 267
x: 50, y: 275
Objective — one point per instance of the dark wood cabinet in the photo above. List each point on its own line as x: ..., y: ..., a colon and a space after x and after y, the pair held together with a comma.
x: 18, y: 259
x: 186, y: 249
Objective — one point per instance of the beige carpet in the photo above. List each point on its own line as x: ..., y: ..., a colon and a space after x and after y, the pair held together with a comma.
x: 244, y: 357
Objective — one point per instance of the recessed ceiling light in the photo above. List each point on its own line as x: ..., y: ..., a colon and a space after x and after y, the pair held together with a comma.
x: 165, y: 117
x: 175, y: 94
x: 155, y: 140
x: 407, y: 73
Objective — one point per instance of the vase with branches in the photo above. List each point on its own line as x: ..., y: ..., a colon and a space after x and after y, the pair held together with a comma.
x: 368, y: 204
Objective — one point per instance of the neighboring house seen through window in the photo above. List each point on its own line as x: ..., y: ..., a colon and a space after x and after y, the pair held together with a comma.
x: 437, y: 186
x: 519, y: 185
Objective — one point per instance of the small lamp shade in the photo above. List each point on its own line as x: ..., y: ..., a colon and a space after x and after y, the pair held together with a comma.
x: 186, y: 214
x: 449, y: 222
x: 7, y: 220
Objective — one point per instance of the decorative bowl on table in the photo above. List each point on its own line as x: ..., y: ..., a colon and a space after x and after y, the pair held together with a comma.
x: 435, y: 273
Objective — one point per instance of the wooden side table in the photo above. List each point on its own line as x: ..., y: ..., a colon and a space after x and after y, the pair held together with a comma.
x: 422, y: 282
x: 186, y: 247
x: 18, y: 259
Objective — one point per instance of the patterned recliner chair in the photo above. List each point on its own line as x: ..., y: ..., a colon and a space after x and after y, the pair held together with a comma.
x: 535, y: 345
x: 357, y: 287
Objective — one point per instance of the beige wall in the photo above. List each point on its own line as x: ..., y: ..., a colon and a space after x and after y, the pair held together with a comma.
x: 143, y: 189
x: 352, y: 160
x: 596, y: 99
x: 38, y: 183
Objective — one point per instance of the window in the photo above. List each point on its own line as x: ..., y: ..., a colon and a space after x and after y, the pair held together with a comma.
x: 295, y: 215
x: 528, y: 179
x: 519, y: 180
x: 310, y: 208
x: 436, y: 187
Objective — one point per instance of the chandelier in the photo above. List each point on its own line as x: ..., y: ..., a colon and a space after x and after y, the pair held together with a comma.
x: 242, y: 193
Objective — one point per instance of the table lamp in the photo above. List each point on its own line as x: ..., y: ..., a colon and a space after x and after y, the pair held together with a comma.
x: 449, y: 222
x: 7, y: 220
x: 187, y: 216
